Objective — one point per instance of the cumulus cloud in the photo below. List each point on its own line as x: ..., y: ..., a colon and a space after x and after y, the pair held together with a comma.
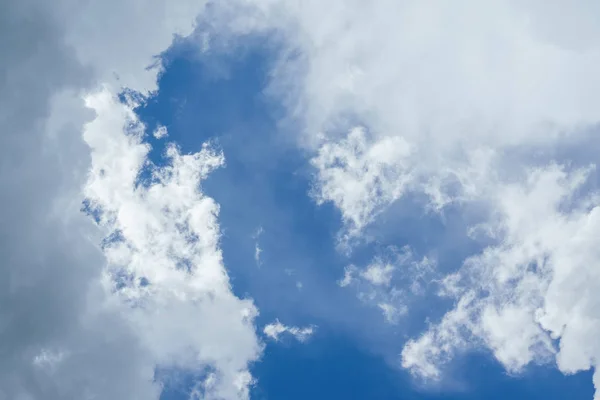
x: 163, y: 251
x: 276, y: 329
x: 534, y: 287
x: 66, y: 335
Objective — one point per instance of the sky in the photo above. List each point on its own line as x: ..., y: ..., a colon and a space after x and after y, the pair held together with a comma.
x: 264, y: 199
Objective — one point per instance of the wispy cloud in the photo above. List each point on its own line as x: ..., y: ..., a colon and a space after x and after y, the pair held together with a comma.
x: 276, y: 329
x: 257, y: 249
x: 391, y: 281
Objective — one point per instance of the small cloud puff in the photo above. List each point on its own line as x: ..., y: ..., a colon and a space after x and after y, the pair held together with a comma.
x: 160, y: 132
x: 276, y: 329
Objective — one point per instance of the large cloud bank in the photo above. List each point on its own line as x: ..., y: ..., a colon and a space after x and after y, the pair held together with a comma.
x: 85, y: 317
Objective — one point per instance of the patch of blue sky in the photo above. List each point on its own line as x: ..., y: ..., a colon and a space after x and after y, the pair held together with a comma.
x: 219, y: 96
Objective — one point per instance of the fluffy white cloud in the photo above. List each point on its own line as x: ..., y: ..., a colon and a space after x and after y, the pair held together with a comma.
x: 163, y: 253
x: 361, y: 177
x: 535, y: 285
x: 378, y: 274
x: 160, y: 132
x: 276, y: 329
x: 433, y: 84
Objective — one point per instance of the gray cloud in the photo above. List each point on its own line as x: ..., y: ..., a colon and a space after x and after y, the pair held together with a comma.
x: 49, y: 268
x: 62, y: 336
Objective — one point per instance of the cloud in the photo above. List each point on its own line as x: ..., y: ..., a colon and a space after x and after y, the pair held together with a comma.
x: 257, y: 249
x: 360, y: 177
x: 119, y: 40
x: 276, y: 329
x: 58, y: 338
x: 160, y: 132
x: 465, y: 105
x: 378, y: 274
x: 390, y: 312
x: 65, y: 335
x: 532, y: 289
x: 391, y: 281
x: 163, y: 251
x: 396, y: 97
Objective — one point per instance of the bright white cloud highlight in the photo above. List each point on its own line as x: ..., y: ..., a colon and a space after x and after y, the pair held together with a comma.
x: 378, y: 274
x: 160, y: 132
x: 276, y: 329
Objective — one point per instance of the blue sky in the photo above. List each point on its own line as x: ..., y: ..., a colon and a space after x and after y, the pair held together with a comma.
x: 219, y: 96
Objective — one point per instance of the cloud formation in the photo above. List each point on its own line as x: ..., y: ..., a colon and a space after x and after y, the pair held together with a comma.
x: 532, y: 287
x: 84, y: 316
x: 163, y: 254
x: 468, y: 105
x: 391, y: 281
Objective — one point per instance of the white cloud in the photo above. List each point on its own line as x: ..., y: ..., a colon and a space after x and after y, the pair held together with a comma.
x: 432, y: 84
x: 361, y: 177
x: 378, y: 274
x: 257, y: 253
x: 160, y: 132
x: 391, y: 313
x: 166, y: 244
x: 276, y: 329
x: 348, y: 278
x: 257, y: 249
x: 391, y: 281
x: 468, y: 103
x: 535, y: 286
